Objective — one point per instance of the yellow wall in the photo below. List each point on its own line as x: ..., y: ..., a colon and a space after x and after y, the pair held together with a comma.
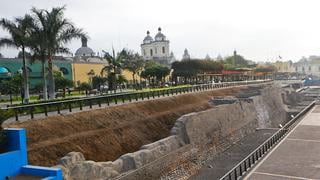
x: 128, y: 75
x: 81, y: 70
x: 284, y: 66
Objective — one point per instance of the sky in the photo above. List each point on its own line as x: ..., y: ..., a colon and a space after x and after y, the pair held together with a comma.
x: 260, y: 30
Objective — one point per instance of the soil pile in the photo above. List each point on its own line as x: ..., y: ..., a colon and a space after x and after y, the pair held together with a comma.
x: 105, y: 134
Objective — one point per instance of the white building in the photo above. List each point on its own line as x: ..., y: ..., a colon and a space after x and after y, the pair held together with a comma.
x: 156, y: 49
x: 186, y: 55
x: 308, y: 66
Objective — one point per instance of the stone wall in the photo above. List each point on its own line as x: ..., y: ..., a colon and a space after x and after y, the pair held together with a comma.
x: 219, y: 126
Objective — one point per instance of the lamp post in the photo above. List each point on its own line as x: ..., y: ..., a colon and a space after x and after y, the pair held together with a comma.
x: 20, y: 71
x: 91, y: 74
x: 10, y: 88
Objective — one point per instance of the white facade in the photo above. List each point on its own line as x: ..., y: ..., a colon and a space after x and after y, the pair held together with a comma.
x: 185, y: 55
x: 309, y: 66
x: 156, y: 49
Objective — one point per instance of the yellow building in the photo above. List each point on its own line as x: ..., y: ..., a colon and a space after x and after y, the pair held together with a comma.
x: 86, y: 65
x: 81, y: 71
x: 284, y: 66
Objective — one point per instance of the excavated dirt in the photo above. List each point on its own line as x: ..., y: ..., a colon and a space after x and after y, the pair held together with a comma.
x: 105, y: 134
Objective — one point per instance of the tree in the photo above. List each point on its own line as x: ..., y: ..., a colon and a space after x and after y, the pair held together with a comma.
x: 62, y: 83
x: 84, y: 86
x: 190, y: 69
x: 236, y: 61
x: 133, y: 63
x: 114, y: 67
x: 98, y: 81
x: 26, y: 54
x: 19, y: 31
x: 56, y: 31
x: 39, y: 52
x: 155, y: 72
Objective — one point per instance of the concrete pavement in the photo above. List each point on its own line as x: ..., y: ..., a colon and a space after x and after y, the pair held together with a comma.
x: 297, y: 156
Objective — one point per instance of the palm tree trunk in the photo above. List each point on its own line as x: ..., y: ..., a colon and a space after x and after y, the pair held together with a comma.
x: 51, y: 79
x: 44, y: 81
x: 25, y: 78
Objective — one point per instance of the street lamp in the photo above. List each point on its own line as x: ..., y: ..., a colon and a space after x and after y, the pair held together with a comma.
x: 20, y: 71
x: 10, y: 88
x: 91, y: 74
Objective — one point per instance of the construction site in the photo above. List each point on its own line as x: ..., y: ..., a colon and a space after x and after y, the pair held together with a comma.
x: 196, y: 135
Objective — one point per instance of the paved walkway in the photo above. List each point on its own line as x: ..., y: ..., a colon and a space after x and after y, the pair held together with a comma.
x: 295, y: 157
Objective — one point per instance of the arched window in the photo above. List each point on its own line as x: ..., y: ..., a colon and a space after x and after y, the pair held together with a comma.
x: 155, y: 50
x: 4, y: 70
x: 151, y: 53
x: 163, y: 50
x: 309, y: 68
x: 64, y: 70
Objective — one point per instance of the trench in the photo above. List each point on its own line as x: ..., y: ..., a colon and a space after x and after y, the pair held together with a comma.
x: 107, y: 135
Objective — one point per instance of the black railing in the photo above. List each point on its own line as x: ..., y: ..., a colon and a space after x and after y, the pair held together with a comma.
x: 57, y: 106
x: 247, y: 163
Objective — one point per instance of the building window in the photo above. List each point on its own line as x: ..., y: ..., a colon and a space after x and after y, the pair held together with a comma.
x: 144, y: 52
x: 303, y: 69
x: 4, y: 70
x: 163, y: 50
x: 151, y: 53
x: 309, y: 68
x: 155, y: 50
x: 64, y: 71
x: 319, y: 68
x: 296, y: 69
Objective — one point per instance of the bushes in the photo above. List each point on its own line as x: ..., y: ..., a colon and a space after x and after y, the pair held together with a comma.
x: 4, y: 115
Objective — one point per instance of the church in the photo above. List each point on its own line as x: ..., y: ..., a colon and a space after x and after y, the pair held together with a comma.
x: 157, y: 49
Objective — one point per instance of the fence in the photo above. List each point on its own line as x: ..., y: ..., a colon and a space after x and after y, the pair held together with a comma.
x: 57, y: 106
x: 245, y: 165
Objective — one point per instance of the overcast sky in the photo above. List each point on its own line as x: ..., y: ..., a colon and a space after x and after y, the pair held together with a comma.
x: 260, y: 30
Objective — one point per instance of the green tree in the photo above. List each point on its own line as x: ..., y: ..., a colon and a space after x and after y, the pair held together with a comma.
x: 19, y: 31
x: 98, y: 81
x: 190, y: 69
x: 84, y: 86
x: 133, y: 63
x: 155, y: 72
x: 62, y: 83
x: 26, y: 54
x: 56, y: 31
x: 236, y: 61
x: 39, y: 52
x: 114, y: 67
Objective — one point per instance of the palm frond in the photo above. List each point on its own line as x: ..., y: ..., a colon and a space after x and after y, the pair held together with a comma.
x: 7, y: 42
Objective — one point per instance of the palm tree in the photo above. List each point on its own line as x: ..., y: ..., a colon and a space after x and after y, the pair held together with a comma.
x: 19, y: 31
x: 134, y: 63
x: 37, y: 46
x: 56, y: 32
x: 114, y: 67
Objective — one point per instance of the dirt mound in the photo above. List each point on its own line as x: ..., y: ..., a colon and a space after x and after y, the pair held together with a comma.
x: 105, y: 134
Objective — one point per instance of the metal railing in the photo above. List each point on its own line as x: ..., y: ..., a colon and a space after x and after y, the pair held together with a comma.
x: 57, y: 106
x: 247, y: 163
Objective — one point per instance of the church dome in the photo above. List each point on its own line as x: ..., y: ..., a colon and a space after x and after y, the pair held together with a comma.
x: 159, y: 36
x: 148, y: 38
x: 84, y: 50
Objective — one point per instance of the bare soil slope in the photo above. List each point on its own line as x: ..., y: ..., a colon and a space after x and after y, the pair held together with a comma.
x: 105, y: 134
